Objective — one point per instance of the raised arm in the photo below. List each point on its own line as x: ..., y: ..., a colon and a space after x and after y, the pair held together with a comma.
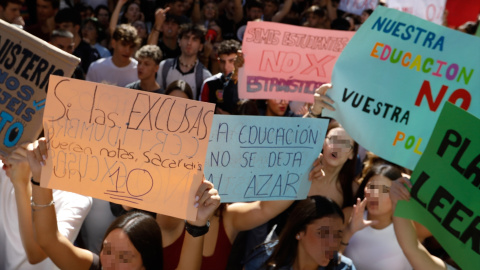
x: 192, y: 249
x: 321, y: 100
x: 282, y: 12
x: 154, y: 35
x: 116, y: 15
x: 238, y: 13
x: 20, y: 177
x: 416, y: 253
x: 63, y: 253
x: 196, y: 12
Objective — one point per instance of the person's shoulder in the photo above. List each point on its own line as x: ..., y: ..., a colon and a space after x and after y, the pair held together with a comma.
x: 133, y: 85
x: 133, y: 62
x: 100, y: 62
x: 68, y: 199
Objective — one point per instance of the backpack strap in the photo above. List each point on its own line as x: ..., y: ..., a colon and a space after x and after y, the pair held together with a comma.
x: 199, y: 78
x: 166, y: 67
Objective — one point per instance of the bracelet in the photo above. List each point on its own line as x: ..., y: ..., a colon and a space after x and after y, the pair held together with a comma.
x: 155, y: 29
x: 34, y: 182
x: 196, y: 231
x: 33, y: 204
x: 311, y: 113
x: 344, y: 244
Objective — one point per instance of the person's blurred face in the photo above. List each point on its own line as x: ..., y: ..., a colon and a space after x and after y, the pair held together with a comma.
x: 338, y: 147
x: 314, y: 20
x: 68, y: 26
x: 45, y: 10
x: 146, y: 68
x: 122, y: 51
x: 230, y: 8
x: 209, y: 11
x: 132, y: 13
x: 276, y: 107
x: 89, y: 32
x: 190, y: 45
x: 187, y: 4
x: 141, y: 29
x: 226, y: 63
x: 11, y: 12
x: 377, y: 194
x: 269, y: 9
x: 170, y: 29
x: 177, y: 8
x: 254, y: 13
x: 118, y: 252
x: 63, y: 43
x: 103, y: 17
x: 320, y: 240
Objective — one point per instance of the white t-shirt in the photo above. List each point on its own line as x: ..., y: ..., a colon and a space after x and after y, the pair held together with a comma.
x: 174, y: 74
x: 105, y: 71
x: 71, y: 210
x: 372, y: 249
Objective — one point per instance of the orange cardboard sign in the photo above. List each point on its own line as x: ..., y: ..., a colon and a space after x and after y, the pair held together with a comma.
x: 136, y: 148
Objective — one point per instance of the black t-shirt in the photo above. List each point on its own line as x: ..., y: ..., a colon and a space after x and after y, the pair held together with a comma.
x: 87, y: 54
x: 136, y: 86
x: 167, y: 52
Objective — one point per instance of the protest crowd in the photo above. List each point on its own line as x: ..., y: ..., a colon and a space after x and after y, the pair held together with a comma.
x: 192, y: 49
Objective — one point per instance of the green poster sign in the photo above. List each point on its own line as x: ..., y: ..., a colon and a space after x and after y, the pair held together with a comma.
x: 446, y: 186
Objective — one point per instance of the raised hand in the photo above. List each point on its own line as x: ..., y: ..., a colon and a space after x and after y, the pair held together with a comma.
x: 207, y: 201
x: 37, y: 155
x: 398, y: 191
x: 321, y: 99
x: 357, y: 222
x: 317, y: 171
x: 18, y: 168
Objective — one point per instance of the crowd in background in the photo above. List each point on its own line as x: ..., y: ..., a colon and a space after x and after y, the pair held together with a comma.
x: 192, y: 49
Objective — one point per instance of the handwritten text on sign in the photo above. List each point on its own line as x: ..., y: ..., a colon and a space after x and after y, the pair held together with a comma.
x: 287, y: 62
x: 446, y: 186
x: 430, y: 10
x: 26, y: 63
x: 130, y: 147
x: 263, y: 158
x: 419, y: 66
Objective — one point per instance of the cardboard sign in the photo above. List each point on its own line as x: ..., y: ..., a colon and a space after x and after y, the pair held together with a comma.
x: 430, y: 10
x: 393, y: 78
x: 254, y: 158
x: 137, y: 148
x: 26, y: 63
x: 446, y: 185
x: 357, y: 6
x: 287, y: 62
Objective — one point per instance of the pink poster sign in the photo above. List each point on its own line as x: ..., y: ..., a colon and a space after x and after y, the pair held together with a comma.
x: 287, y: 62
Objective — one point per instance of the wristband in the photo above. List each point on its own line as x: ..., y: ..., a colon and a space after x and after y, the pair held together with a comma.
x: 33, y: 204
x: 196, y: 231
x: 312, y: 114
x: 34, y: 182
x: 342, y: 243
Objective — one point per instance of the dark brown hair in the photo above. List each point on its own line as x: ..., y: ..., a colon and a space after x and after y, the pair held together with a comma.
x: 347, y: 174
x: 145, y: 235
x: 304, y: 213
